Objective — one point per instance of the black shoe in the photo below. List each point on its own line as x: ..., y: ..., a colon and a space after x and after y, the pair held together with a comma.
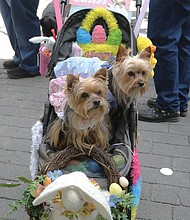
x: 10, y: 64
x: 152, y: 104
x: 18, y: 73
x: 158, y: 115
x: 184, y: 113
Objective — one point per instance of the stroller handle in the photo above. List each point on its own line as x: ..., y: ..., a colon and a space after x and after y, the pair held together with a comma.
x: 138, y: 6
x: 138, y: 3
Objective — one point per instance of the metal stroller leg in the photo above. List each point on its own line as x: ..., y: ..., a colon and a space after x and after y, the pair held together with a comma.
x: 46, y: 116
x: 133, y: 124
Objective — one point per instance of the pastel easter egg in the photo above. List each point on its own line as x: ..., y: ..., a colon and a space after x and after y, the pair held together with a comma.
x: 36, y: 192
x: 115, y: 189
x: 93, y: 166
x: 123, y: 181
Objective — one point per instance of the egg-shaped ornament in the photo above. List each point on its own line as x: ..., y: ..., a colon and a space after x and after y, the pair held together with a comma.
x: 98, y: 34
x: 115, y: 189
x: 123, y: 181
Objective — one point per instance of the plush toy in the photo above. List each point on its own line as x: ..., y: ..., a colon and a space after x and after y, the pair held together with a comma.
x: 142, y: 43
x: 74, y: 196
x: 48, y: 42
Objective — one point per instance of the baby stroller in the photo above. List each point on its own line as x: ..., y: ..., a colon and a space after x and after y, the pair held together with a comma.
x: 121, y: 160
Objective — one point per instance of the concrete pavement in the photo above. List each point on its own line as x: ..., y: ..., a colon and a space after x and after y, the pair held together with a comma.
x: 162, y: 145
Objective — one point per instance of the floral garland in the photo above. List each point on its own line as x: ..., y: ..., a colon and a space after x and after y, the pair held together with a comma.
x: 98, y: 43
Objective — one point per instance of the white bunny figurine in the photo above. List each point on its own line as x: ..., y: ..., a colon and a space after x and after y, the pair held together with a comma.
x: 47, y: 41
x: 77, y: 192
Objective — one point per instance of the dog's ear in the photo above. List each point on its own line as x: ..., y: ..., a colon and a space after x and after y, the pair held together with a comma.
x: 122, y: 54
x: 102, y: 74
x: 72, y: 80
x: 146, y: 53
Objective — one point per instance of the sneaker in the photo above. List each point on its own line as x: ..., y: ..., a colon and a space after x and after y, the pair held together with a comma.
x: 19, y: 73
x: 152, y: 104
x: 10, y: 64
x: 158, y: 115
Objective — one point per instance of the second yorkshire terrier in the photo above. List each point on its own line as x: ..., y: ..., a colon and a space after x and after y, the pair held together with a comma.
x: 85, y: 122
x: 128, y: 78
x: 130, y: 75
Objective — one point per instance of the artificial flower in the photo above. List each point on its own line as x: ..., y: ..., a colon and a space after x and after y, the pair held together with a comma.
x: 113, y: 200
x: 55, y: 174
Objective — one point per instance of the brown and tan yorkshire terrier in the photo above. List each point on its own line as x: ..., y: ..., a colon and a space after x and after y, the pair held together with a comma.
x: 130, y: 75
x: 128, y: 78
x: 85, y: 122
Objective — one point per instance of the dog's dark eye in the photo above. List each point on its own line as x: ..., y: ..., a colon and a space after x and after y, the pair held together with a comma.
x: 85, y: 95
x: 99, y: 92
x: 130, y: 73
x: 143, y: 73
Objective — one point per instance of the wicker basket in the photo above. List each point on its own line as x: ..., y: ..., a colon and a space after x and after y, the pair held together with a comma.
x: 61, y: 159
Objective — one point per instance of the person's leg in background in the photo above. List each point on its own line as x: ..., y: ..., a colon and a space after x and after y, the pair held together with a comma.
x: 184, y: 66
x: 26, y: 25
x: 7, y: 18
x: 165, y: 30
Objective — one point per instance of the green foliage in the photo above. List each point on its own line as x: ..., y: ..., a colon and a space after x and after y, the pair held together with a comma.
x: 100, y: 217
x: 119, y: 212
x: 27, y: 199
x: 119, y: 206
x: 24, y: 179
x: 9, y: 185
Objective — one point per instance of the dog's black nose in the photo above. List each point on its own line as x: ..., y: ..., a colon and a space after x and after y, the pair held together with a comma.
x: 141, y: 84
x: 96, y: 103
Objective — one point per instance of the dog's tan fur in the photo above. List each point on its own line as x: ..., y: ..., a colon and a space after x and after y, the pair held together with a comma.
x: 131, y: 75
x: 85, y: 123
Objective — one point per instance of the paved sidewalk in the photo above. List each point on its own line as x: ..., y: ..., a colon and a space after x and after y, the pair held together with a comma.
x: 162, y: 145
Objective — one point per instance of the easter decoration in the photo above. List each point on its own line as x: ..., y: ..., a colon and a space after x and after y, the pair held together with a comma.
x: 142, y: 43
x: 45, y: 50
x: 61, y: 192
x: 135, y: 188
x: 98, y: 44
x: 73, y: 196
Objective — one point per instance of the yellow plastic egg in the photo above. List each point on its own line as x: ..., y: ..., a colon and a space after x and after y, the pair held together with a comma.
x: 115, y: 189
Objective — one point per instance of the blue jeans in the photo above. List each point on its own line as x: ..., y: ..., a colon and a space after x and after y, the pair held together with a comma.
x: 22, y: 24
x: 169, y: 30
